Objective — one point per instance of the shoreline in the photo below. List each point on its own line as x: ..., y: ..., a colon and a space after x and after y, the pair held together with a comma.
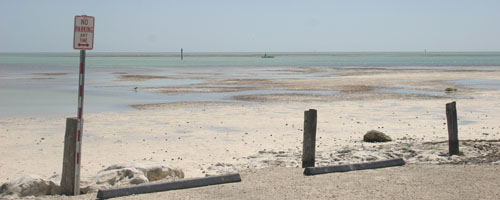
x: 117, y: 90
x: 212, y: 137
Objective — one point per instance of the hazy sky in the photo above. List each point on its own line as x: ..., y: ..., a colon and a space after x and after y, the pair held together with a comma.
x: 269, y: 25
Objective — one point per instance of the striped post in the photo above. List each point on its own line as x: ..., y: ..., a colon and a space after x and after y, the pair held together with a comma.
x: 79, y: 129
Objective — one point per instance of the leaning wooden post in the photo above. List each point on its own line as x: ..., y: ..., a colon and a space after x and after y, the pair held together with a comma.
x: 68, y: 172
x: 309, y: 143
x: 451, y: 116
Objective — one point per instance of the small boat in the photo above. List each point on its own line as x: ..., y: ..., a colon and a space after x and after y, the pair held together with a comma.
x: 266, y: 56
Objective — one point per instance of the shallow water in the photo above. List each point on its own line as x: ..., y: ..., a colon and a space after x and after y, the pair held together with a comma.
x: 26, y: 91
x: 227, y: 96
x: 413, y: 91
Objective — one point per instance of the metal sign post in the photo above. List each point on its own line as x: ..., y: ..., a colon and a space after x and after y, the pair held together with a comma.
x: 83, y: 40
x: 79, y: 127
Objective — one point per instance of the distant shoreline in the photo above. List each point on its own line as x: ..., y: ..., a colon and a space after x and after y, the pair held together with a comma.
x: 256, y: 54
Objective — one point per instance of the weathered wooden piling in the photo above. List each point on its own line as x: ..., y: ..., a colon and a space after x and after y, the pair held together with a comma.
x: 309, y: 142
x: 451, y: 116
x: 68, y: 172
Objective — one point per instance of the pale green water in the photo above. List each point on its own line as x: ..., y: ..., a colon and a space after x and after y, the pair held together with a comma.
x: 387, y: 59
x: 24, y: 92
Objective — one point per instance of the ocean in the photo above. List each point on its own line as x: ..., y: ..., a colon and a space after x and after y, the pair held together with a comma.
x: 34, y: 84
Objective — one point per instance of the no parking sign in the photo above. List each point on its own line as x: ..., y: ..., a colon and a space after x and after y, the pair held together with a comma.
x: 84, y: 33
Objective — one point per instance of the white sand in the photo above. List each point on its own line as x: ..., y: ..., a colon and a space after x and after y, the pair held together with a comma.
x: 413, y: 181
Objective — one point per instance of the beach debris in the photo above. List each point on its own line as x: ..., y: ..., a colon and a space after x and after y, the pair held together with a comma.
x: 376, y: 136
x: 114, y: 176
x: 412, y: 151
x: 450, y: 89
x: 132, y: 174
x: 29, y: 185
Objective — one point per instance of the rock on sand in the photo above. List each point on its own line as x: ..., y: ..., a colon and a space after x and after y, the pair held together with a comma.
x: 376, y: 136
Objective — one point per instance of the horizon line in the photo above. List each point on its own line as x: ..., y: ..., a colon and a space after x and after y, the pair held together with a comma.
x: 76, y: 51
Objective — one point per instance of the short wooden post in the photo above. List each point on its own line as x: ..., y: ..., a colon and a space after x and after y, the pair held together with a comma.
x: 68, y: 172
x: 451, y: 116
x: 309, y: 143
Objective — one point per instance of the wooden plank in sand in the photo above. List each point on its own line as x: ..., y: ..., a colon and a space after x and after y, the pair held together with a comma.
x: 353, y: 167
x: 175, y: 185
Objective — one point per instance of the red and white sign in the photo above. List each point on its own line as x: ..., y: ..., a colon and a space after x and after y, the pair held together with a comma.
x: 84, y: 33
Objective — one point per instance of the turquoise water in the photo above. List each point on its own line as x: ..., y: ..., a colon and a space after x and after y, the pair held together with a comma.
x: 25, y: 91
x: 161, y: 60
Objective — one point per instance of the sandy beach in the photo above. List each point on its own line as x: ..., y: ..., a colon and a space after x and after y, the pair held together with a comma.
x: 103, y: 96
x: 260, y: 135
x: 407, y: 182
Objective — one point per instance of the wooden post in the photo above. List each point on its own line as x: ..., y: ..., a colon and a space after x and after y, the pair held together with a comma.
x: 309, y: 143
x: 182, y: 54
x: 451, y: 116
x: 69, y: 164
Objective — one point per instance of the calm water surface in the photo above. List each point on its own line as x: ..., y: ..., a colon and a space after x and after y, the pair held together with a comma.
x: 26, y: 89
